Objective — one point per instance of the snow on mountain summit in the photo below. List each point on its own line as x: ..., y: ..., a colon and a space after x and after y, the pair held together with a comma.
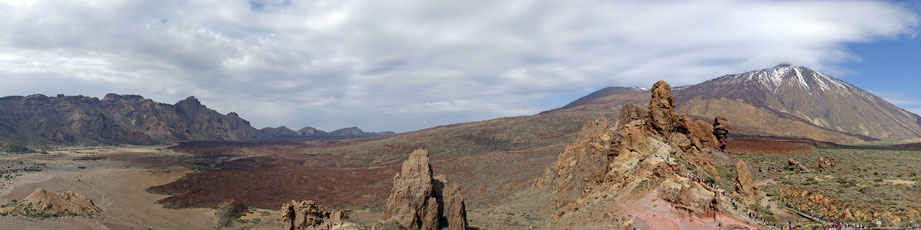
x: 775, y: 77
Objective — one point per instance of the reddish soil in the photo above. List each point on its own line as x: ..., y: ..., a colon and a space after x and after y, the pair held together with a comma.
x: 772, y: 146
x: 490, y: 161
x: 654, y: 213
x: 267, y: 182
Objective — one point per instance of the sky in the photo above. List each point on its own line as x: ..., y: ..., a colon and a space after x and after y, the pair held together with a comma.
x: 410, y: 64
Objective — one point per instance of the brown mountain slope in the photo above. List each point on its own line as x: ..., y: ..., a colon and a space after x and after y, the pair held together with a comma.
x: 609, y: 97
x: 115, y: 119
x: 785, y: 100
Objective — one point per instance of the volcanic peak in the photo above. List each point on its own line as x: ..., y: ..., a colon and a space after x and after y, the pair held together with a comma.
x: 775, y: 77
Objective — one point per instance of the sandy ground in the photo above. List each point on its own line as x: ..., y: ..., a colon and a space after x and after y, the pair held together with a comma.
x: 116, y: 186
x: 901, y: 182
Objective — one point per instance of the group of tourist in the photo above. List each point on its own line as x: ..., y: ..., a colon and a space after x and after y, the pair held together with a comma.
x: 836, y: 226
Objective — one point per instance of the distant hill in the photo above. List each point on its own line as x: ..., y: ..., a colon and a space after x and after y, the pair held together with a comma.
x: 310, y: 132
x: 785, y: 100
x: 115, y: 119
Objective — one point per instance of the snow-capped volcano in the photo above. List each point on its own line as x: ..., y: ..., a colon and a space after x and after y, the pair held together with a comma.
x: 784, y: 100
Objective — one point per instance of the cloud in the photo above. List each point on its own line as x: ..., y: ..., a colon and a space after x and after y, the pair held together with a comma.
x: 405, y: 65
x: 899, y: 99
x: 916, y: 111
x: 904, y: 101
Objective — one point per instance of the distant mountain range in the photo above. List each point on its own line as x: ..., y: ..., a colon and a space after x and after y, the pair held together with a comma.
x: 785, y: 101
x: 129, y: 119
x: 285, y: 132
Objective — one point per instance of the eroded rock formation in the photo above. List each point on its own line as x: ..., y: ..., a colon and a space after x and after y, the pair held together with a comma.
x: 744, y: 183
x: 42, y: 203
x: 641, y: 145
x: 307, y: 215
x: 420, y: 200
x: 721, y: 131
x: 826, y: 163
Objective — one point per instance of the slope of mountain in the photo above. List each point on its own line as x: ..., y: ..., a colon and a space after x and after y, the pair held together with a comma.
x: 356, y: 132
x: 115, y: 119
x: 785, y: 100
x: 609, y: 97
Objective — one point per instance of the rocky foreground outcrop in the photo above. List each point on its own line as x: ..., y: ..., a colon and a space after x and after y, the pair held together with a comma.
x: 42, y: 203
x: 308, y: 215
x: 612, y: 159
x: 420, y: 200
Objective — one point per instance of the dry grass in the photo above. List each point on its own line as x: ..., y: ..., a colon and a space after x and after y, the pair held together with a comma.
x: 864, y: 180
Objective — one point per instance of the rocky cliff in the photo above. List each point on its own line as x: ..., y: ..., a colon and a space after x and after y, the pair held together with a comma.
x: 115, y: 119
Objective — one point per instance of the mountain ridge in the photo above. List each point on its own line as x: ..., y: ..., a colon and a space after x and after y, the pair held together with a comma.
x: 307, y: 131
x: 115, y: 119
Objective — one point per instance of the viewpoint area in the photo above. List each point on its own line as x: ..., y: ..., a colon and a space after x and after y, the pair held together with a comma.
x: 460, y: 115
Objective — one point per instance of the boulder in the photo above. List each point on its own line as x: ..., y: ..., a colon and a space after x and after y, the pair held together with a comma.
x: 744, y: 183
x: 307, y: 215
x: 795, y: 165
x: 694, y: 198
x: 826, y: 163
x: 420, y: 201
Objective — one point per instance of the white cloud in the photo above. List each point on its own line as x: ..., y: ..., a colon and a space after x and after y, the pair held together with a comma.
x: 404, y: 65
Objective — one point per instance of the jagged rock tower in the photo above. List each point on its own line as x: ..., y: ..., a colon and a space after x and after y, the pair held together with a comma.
x: 422, y: 201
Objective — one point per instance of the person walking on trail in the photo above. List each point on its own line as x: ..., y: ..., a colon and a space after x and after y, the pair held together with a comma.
x: 720, y: 131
